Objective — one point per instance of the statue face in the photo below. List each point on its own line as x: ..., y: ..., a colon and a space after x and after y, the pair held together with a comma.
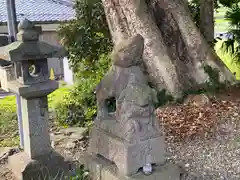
x: 129, y: 52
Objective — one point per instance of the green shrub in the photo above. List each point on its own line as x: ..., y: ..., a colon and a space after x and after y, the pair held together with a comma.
x: 79, y: 174
x: 8, y: 128
x: 8, y: 122
x: 86, y: 37
x: 213, y: 85
x: 88, y: 42
x: 163, y: 98
x: 78, y: 107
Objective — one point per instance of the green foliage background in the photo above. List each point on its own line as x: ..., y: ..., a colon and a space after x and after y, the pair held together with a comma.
x: 87, y: 37
x: 88, y: 42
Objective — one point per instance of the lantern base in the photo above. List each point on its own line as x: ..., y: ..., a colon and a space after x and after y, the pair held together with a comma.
x: 42, y: 167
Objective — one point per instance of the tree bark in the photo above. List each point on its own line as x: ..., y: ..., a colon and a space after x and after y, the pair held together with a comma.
x: 175, y: 52
x: 207, y: 19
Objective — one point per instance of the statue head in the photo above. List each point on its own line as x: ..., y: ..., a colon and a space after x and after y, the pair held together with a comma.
x: 128, y: 52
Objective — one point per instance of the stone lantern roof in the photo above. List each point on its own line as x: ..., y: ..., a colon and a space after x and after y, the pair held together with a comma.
x: 28, y: 46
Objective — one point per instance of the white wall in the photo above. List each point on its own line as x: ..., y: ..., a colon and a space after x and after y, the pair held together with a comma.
x: 52, y: 38
x: 68, y: 74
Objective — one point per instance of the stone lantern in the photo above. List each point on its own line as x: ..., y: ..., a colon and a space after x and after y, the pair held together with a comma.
x: 30, y: 79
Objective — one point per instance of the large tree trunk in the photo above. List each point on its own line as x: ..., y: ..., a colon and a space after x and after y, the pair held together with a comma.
x: 175, y: 52
x: 207, y: 19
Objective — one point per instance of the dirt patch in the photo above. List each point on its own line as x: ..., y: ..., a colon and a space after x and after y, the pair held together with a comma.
x: 204, y: 140
x: 183, y: 122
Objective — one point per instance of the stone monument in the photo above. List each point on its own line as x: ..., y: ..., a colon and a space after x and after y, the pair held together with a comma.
x: 131, y: 138
x: 30, y: 80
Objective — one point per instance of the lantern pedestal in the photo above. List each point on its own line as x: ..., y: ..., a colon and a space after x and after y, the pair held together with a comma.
x: 42, y: 167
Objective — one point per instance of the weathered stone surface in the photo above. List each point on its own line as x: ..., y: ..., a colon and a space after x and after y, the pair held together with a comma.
x: 128, y: 52
x: 69, y: 145
x: 5, y: 152
x: 35, y: 125
x: 36, y: 90
x: 127, y: 157
x: 57, y: 138
x: 127, y: 82
x: 68, y: 137
x: 25, y: 168
x: 74, y: 130
x: 131, y: 137
x: 123, y: 129
x: 102, y: 169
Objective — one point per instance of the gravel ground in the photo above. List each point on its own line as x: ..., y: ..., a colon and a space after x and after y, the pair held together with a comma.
x: 215, y: 158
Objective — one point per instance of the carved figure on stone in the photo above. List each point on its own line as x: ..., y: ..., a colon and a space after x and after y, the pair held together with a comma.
x: 127, y: 83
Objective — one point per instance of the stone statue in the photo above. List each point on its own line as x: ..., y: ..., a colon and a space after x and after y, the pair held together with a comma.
x: 134, y: 123
x: 134, y: 98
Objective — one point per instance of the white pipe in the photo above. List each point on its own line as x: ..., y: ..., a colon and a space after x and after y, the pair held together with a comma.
x: 12, y: 31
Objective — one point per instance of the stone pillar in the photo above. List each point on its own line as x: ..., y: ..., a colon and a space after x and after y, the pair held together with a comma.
x: 35, y: 125
x: 38, y: 157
